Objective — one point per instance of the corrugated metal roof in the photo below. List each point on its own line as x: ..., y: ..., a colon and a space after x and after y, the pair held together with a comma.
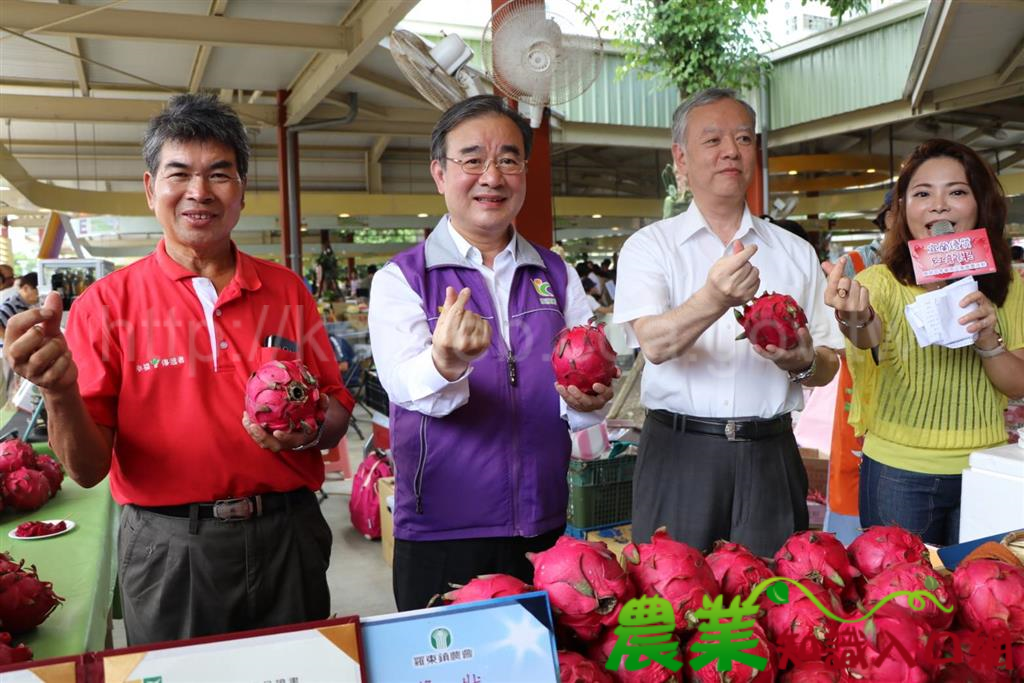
x: 629, y: 101
x: 863, y: 71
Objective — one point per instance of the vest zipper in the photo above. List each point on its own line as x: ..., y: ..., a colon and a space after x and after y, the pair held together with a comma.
x: 512, y: 371
x: 420, y: 466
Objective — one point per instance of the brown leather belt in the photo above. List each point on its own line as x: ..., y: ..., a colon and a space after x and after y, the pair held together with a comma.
x: 732, y: 430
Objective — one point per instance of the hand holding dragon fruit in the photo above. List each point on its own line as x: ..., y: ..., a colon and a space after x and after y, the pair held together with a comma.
x: 772, y: 319
x: 284, y: 396
x: 583, y: 357
x: 585, y: 583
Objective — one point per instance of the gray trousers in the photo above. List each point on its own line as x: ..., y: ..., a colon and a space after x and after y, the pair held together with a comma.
x: 229, y: 576
x: 704, y: 488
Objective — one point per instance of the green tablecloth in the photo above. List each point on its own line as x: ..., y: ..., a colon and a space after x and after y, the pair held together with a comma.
x: 81, y: 564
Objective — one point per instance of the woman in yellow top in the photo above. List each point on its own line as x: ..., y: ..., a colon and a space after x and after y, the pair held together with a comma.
x: 924, y: 410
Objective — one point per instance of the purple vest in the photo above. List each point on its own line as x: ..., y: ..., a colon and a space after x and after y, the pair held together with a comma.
x: 497, y: 465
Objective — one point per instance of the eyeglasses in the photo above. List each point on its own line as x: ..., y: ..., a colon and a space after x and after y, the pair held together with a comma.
x: 478, y: 166
x: 181, y: 178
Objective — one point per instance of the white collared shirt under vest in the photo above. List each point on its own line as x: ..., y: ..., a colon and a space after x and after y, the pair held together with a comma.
x: 664, y: 264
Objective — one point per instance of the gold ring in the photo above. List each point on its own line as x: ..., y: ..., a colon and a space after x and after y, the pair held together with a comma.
x: 842, y: 293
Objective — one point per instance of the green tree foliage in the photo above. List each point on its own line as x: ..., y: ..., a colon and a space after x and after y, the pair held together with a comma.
x: 696, y: 44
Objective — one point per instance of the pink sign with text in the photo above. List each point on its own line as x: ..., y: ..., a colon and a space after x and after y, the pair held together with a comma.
x: 951, y: 256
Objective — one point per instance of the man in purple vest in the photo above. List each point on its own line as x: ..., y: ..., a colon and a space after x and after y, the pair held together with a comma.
x: 462, y: 327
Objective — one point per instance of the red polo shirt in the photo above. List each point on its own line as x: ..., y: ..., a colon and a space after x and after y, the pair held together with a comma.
x: 147, y: 369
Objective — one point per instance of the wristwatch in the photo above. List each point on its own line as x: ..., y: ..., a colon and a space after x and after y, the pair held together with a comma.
x: 798, y: 377
x: 315, y: 441
x: 997, y: 350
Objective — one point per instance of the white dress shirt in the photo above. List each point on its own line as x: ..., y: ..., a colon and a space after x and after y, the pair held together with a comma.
x: 401, y: 339
x: 666, y: 263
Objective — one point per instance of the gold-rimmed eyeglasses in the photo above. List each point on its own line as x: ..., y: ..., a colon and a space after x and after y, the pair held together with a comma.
x: 476, y: 166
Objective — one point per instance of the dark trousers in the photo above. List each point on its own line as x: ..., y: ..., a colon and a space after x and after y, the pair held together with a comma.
x: 704, y: 488
x: 924, y: 504
x: 423, y: 569
x: 228, y: 576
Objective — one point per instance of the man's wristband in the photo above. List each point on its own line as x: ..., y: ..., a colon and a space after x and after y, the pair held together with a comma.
x: 798, y: 377
x: 316, y: 440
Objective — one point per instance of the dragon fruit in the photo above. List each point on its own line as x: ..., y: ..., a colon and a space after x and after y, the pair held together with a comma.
x: 811, y: 672
x: 740, y: 672
x: 25, y: 489
x: 772, y: 319
x: 585, y: 583
x: 583, y: 357
x: 820, y: 557
x: 982, y: 656
x: 575, y: 668
x: 889, y: 647
x: 883, y: 546
x: 652, y: 671
x: 484, y: 587
x: 25, y: 600
x: 15, y: 454
x: 52, y: 470
x: 991, y: 597
x: 911, y: 576
x: 12, y: 655
x: 801, y: 624
x: 284, y: 396
x: 736, y: 569
x: 671, y: 570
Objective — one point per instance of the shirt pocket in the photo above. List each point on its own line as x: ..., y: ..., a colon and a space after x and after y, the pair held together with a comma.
x: 269, y: 353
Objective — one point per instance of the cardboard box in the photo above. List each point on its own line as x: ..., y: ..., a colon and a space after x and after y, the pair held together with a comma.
x: 386, y: 490
x: 616, y: 537
x: 817, y: 470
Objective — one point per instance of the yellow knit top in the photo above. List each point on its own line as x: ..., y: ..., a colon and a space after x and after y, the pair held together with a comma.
x: 925, y: 410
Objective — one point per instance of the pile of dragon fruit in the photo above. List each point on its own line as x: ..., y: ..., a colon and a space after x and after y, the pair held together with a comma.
x: 982, y: 639
x: 25, y: 602
x: 27, y: 479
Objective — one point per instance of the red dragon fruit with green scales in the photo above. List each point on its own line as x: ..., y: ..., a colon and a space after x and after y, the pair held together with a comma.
x: 736, y: 569
x: 284, y: 396
x: 585, y: 583
x: 651, y: 671
x: 25, y: 489
x: 583, y: 357
x: 15, y: 454
x: 880, y: 547
x: 991, y: 597
x: 10, y: 654
x: 912, y: 576
x: 25, y: 600
x: 575, y: 668
x: 772, y: 319
x: 820, y: 557
x: 483, y: 587
x: 801, y: 623
x: 811, y: 672
x: 740, y: 672
x: 52, y: 470
x: 672, y: 570
x: 903, y: 638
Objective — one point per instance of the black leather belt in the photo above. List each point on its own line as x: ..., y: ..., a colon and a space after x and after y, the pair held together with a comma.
x: 234, y: 509
x: 733, y: 430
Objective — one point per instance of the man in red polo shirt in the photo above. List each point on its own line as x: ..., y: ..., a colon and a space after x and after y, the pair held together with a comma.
x: 220, y: 529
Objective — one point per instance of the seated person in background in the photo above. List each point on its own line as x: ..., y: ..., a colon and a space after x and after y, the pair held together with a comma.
x: 26, y: 296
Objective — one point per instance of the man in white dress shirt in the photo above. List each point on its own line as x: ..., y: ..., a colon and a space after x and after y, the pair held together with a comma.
x: 462, y: 328
x: 717, y: 455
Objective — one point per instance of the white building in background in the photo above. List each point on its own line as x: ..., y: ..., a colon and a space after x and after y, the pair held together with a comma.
x: 791, y: 20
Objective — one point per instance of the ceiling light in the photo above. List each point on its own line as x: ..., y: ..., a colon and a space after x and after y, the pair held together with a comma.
x: 597, y: 215
x: 871, y: 170
x: 796, y: 191
x: 13, y: 217
x: 4, y: 188
x: 793, y: 172
x: 615, y: 228
x: 422, y: 215
x: 344, y: 215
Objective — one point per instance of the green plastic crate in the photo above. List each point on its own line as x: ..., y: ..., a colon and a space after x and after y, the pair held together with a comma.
x: 601, y: 491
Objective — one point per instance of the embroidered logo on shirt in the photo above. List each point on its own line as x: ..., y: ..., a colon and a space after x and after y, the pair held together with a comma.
x: 154, y: 363
x: 543, y: 290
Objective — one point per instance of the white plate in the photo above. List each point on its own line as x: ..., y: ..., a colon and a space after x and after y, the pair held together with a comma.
x: 70, y: 525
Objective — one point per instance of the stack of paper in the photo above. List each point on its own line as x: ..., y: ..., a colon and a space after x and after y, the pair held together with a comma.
x: 933, y: 316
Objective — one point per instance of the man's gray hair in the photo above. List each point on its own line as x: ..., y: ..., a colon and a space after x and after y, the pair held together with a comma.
x: 471, y: 108
x: 196, y: 117
x: 708, y: 96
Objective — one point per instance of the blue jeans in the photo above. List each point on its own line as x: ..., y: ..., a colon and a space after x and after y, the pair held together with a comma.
x: 924, y: 504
